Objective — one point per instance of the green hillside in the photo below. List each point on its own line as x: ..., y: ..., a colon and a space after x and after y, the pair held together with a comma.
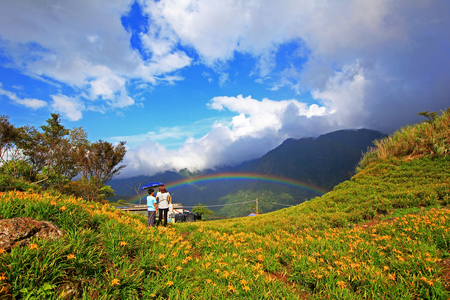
x: 384, y: 234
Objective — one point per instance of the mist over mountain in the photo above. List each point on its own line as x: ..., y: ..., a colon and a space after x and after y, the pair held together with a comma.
x: 321, y: 162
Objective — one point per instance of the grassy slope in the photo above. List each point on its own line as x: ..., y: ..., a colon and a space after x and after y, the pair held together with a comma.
x: 320, y: 249
x: 317, y: 245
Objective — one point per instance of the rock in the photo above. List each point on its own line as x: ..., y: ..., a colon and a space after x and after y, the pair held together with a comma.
x: 19, y: 231
x: 68, y: 290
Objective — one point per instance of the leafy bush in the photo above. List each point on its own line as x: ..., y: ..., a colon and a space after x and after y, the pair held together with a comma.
x: 8, y: 182
x: 428, y: 139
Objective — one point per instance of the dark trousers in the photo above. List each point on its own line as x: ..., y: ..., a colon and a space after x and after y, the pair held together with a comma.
x: 151, y: 218
x: 160, y: 216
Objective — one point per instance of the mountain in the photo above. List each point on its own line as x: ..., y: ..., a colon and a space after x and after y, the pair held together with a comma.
x: 321, y: 162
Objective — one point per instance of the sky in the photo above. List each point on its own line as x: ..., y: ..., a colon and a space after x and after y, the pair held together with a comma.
x: 201, y: 84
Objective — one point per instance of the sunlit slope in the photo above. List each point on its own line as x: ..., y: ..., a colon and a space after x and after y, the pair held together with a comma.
x: 377, y: 192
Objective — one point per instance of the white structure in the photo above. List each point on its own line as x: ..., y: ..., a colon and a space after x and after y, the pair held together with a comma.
x: 174, y: 208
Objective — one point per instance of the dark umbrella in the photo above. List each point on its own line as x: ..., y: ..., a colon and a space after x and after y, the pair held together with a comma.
x: 151, y: 185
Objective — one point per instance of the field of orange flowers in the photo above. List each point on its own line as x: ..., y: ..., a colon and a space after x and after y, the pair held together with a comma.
x: 385, y: 234
x: 109, y: 254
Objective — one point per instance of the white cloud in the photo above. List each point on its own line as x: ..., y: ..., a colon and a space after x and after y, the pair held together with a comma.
x: 372, y: 64
x: 344, y: 95
x: 207, y: 76
x: 258, y: 127
x: 32, y: 103
x: 400, y: 46
x: 91, y: 49
x: 68, y: 107
x: 223, y: 79
x: 170, y: 136
x: 83, y: 44
x: 27, y: 102
x: 218, y: 28
x: 257, y: 119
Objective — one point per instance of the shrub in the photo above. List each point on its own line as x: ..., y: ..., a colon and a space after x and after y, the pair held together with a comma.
x: 427, y: 139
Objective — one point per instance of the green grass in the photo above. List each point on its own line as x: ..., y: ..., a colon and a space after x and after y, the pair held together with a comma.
x: 427, y: 139
x: 384, y: 234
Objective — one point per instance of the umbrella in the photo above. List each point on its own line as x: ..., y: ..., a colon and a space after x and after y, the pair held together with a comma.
x: 151, y: 185
x: 251, y: 215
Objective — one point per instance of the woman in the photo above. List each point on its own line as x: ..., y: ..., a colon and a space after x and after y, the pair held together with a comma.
x: 163, y: 198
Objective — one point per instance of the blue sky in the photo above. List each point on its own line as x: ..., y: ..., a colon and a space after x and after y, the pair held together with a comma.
x: 203, y: 83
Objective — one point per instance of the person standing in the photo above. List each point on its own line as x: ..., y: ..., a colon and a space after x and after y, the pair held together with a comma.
x: 151, y: 206
x: 164, y: 199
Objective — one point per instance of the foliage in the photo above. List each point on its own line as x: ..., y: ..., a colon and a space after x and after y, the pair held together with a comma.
x: 202, y: 210
x: 105, y: 192
x: 99, y: 163
x: 431, y: 116
x: 60, y: 159
x: 8, y: 134
x: 58, y: 153
x: 18, y: 169
x: 430, y: 139
x: 8, y: 182
x: 9, y: 153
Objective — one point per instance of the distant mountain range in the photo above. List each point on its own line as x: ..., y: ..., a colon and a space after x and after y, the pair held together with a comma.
x: 317, y: 164
x: 323, y: 162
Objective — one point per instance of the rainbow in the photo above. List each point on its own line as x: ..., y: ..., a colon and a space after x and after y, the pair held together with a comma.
x: 242, y: 176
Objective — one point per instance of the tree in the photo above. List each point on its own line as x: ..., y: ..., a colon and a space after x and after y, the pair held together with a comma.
x: 202, y: 210
x: 60, y: 163
x: 34, y: 152
x: 252, y: 209
x: 99, y: 162
x: 136, y: 189
x: 9, y: 152
x: 431, y: 116
x: 55, y: 156
x: 8, y: 137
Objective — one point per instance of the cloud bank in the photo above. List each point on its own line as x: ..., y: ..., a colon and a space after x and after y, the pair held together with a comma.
x: 372, y: 64
x: 258, y: 127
